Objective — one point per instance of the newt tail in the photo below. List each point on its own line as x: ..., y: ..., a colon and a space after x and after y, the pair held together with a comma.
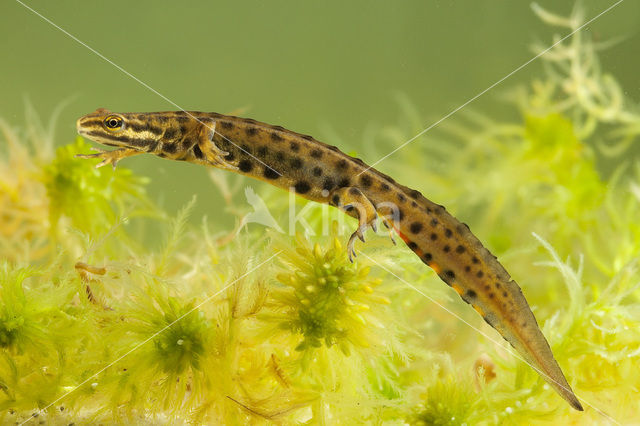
x: 324, y: 174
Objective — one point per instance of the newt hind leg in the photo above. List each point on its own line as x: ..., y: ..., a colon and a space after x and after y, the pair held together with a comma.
x: 349, y: 200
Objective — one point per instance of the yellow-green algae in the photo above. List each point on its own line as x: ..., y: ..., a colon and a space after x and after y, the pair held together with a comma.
x: 210, y: 329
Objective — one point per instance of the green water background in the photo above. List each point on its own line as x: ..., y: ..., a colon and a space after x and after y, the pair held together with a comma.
x: 330, y: 69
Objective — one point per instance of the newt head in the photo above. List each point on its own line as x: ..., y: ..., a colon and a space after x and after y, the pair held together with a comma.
x: 129, y: 130
x: 101, y: 126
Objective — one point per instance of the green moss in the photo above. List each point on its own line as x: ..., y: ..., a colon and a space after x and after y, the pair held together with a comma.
x: 91, y: 198
x: 447, y: 402
x: 18, y: 323
x: 332, y: 298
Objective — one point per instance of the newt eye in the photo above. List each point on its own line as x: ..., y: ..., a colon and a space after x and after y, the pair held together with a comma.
x: 113, y: 122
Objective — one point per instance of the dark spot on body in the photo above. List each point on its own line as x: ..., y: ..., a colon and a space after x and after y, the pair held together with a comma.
x: 475, y: 260
x: 198, y: 152
x: 251, y: 131
x: 414, y: 204
x: 401, y: 197
x: 446, y: 249
x: 226, y: 124
x: 187, y: 143
x: 504, y: 294
x: 262, y: 151
x: 280, y: 156
x: 449, y: 274
x: 153, y: 146
x: 335, y: 200
x: 317, y: 171
x: 385, y: 186
x: 491, y: 295
x: 344, y: 182
x: 427, y: 257
x: 480, y: 274
x: 467, y: 268
x: 342, y: 164
x: 365, y: 180
x: 354, y: 191
x: 170, y: 148
x: 460, y: 249
x: 414, y: 194
x: 275, y: 136
x: 183, y: 129
x: 245, y: 166
x: 156, y: 130
x: 170, y: 134
x: 302, y: 187
x: 471, y: 294
x: 433, y: 236
x: 328, y: 184
x: 448, y: 233
x: 269, y: 173
x: 434, y: 221
x: 295, y: 146
x: 296, y: 163
x: 316, y: 153
x: 412, y: 245
x: 497, y: 285
x: 415, y: 227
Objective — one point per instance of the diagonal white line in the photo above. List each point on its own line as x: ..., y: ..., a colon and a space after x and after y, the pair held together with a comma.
x: 76, y: 39
x: 493, y: 85
x: 154, y: 335
x: 508, y: 348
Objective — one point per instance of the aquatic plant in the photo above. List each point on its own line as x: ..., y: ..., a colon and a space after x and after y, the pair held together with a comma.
x: 231, y: 326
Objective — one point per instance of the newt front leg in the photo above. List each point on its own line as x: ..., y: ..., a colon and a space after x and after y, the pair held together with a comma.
x: 213, y: 155
x: 110, y: 157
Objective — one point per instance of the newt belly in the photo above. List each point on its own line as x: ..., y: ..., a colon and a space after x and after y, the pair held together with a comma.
x: 323, y: 173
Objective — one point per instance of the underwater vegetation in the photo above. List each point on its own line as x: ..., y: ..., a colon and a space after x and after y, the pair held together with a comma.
x: 100, y: 323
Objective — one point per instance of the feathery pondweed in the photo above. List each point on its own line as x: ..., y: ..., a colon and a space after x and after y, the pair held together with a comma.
x: 102, y: 191
x: 328, y: 301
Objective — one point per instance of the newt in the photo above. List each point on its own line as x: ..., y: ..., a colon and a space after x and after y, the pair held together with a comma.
x: 322, y: 173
